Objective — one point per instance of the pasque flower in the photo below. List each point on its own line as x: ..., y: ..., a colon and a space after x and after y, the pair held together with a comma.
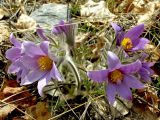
x: 41, y: 64
x: 130, y: 41
x: 15, y: 54
x: 67, y: 29
x: 32, y: 62
x: 119, y: 77
x: 145, y: 71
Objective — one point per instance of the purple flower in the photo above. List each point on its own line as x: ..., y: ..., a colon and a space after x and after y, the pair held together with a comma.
x: 130, y: 41
x: 120, y: 78
x: 15, y: 54
x: 68, y: 29
x: 145, y: 71
x: 41, y: 34
x: 41, y: 64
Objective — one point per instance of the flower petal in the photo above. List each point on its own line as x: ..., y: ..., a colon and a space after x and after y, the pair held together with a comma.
x: 147, y: 66
x: 32, y: 77
x: 141, y: 45
x: 45, y: 46
x: 13, y: 53
x: 55, y: 73
x: 41, y: 84
x: 31, y: 49
x: 131, y: 68
x: 14, y: 41
x: 134, y: 33
x: 145, y: 75
x: 41, y: 34
x: 119, y: 32
x: 58, y: 29
x: 98, y: 75
x: 124, y: 91
x: 132, y: 82
x: 13, y: 68
x: 29, y: 62
x: 113, y: 60
x: 111, y: 92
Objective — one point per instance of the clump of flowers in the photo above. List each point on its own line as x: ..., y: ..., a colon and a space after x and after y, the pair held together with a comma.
x: 118, y: 77
x: 32, y: 62
x: 130, y: 41
x: 35, y: 62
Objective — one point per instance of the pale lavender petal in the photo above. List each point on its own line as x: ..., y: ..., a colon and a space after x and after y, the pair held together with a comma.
x: 63, y: 26
x: 111, y: 92
x: 13, y: 53
x: 145, y: 75
x: 41, y: 84
x: 55, y: 73
x: 132, y: 82
x: 98, y: 75
x: 131, y: 68
x: 116, y: 27
x: 141, y: 45
x: 45, y: 46
x: 61, y: 22
x: 24, y: 72
x: 13, y: 68
x: 112, y: 60
x: 14, y: 41
x: 29, y: 62
x: 134, y: 33
x: 58, y: 29
x: 41, y: 34
x: 33, y: 76
x: 31, y: 49
x: 119, y: 32
x: 124, y: 91
x: 148, y: 64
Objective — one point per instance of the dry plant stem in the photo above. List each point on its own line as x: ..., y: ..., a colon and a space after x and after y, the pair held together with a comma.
x: 140, y: 98
x: 53, y: 109
x: 75, y: 107
x: 97, y: 111
x: 18, y: 109
x: 17, y: 100
x: 14, y: 95
x: 69, y: 105
x: 85, y: 111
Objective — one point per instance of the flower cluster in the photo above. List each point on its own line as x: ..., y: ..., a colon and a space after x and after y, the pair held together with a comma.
x: 121, y: 77
x: 34, y: 62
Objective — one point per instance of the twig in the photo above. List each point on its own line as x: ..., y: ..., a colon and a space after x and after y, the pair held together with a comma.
x: 75, y: 107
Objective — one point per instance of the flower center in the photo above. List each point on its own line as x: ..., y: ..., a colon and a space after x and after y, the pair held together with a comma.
x: 45, y: 63
x: 115, y: 76
x: 126, y: 43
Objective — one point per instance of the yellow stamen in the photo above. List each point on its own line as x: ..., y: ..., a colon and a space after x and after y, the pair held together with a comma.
x: 45, y: 63
x: 126, y: 43
x: 115, y: 76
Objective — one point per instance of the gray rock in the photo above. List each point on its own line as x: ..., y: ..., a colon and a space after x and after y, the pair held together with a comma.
x: 50, y: 14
